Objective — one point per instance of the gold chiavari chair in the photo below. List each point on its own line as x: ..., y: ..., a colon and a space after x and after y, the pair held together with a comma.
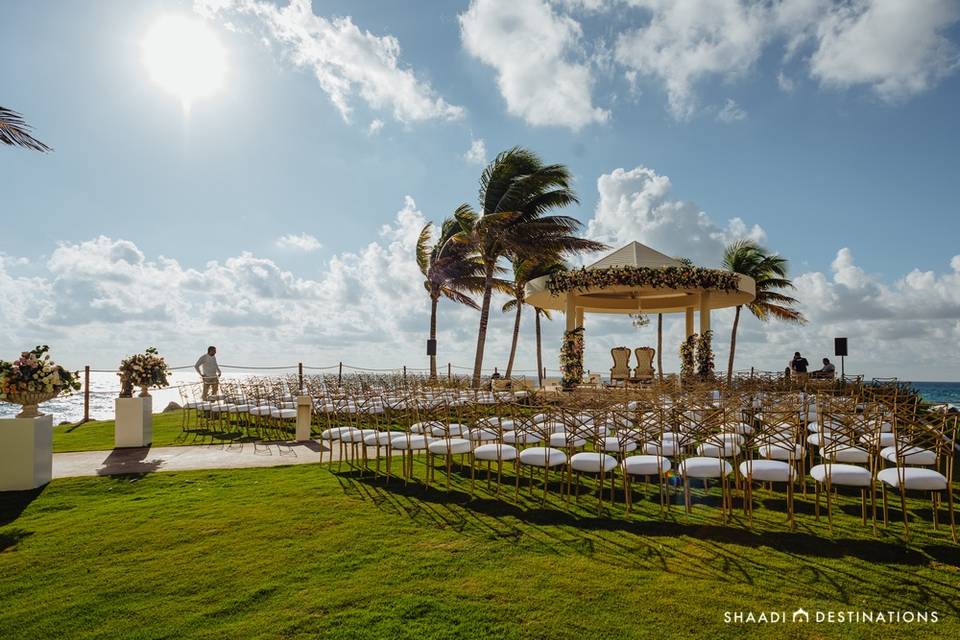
x: 916, y: 442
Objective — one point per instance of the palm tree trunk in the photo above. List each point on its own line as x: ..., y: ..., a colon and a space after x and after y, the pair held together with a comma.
x: 484, y: 319
x: 433, y: 335
x: 516, y: 334
x: 536, y: 314
x: 660, y: 346
x: 733, y: 344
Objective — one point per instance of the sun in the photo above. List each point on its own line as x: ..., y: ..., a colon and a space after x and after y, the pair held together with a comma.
x: 185, y: 58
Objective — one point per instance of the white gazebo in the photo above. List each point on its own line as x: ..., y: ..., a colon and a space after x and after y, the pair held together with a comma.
x: 638, y: 279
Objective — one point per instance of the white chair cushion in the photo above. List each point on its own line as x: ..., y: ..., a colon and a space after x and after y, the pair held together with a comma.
x: 334, y: 433
x: 283, y: 414
x: 718, y: 449
x: 885, y: 439
x: 741, y: 428
x: 914, y: 478
x: 780, y: 451
x: 702, y: 467
x: 483, y: 435
x: 852, y: 455
x: 912, y: 455
x: 668, y: 448
x: 450, y: 445
x: 356, y: 435
x: 521, y: 437
x: 612, y: 444
x: 408, y: 442
x: 767, y: 470
x: 563, y: 439
x: 843, y: 474
x: 542, y: 457
x: 379, y: 438
x: 590, y: 462
x: 453, y: 429
x: 495, y: 452
x: 645, y: 465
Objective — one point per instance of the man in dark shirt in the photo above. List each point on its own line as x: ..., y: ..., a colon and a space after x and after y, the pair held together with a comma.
x: 799, y: 363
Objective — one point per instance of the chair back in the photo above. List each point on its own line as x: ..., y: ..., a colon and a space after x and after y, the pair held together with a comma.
x: 621, y: 363
x: 644, y: 368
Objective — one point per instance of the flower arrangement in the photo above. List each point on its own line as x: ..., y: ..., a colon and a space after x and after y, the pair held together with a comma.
x: 571, y: 358
x: 33, y: 378
x: 687, y: 349
x: 144, y: 370
x: 705, y: 355
x: 681, y: 277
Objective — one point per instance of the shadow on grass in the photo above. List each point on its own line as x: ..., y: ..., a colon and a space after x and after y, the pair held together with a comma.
x: 844, y: 566
x: 12, y: 537
x: 13, y: 503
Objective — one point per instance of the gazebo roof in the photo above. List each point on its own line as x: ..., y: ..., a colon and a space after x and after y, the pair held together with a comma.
x: 637, y: 278
x: 635, y: 255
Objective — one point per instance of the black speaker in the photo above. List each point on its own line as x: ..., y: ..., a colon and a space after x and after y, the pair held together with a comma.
x: 839, y: 346
x: 431, y: 347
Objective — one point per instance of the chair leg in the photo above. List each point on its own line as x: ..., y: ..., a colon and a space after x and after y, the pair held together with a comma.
x: 953, y: 524
x: 934, y: 507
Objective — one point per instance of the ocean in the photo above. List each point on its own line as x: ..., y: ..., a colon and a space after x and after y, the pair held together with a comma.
x: 104, y: 387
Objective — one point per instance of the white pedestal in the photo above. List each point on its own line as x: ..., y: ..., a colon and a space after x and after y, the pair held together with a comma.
x: 26, y: 453
x: 134, y: 424
x: 304, y: 411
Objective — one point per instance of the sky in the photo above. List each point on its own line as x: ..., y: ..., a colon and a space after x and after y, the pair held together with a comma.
x: 275, y: 215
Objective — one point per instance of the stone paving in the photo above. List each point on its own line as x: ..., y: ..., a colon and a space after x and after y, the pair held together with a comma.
x: 191, y: 458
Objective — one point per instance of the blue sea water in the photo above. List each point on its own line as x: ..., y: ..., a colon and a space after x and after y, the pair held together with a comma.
x: 939, y: 392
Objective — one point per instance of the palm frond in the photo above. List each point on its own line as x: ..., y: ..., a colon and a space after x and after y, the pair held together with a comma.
x: 15, y: 131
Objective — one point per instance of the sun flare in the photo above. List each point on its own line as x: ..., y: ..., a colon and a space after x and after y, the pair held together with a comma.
x: 185, y: 58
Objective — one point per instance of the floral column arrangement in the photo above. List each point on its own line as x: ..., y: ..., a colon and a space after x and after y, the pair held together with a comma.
x: 571, y: 358
x: 134, y: 416
x: 705, y: 356
x: 26, y: 441
x: 687, y: 352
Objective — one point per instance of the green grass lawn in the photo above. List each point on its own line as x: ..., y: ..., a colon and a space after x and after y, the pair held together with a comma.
x: 97, y: 435
x: 307, y: 552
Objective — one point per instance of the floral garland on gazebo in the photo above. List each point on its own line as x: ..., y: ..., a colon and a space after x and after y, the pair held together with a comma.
x: 571, y: 358
x: 658, y: 277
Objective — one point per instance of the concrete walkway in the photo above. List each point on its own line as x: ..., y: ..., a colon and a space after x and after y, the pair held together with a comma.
x: 191, y: 458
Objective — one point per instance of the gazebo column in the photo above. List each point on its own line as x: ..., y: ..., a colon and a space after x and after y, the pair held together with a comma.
x: 689, y: 319
x: 579, y: 317
x: 704, y: 312
x: 571, y: 311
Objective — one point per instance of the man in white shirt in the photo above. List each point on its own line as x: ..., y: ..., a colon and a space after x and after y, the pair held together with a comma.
x: 210, y: 372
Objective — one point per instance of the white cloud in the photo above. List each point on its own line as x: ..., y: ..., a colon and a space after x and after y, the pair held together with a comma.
x: 685, y: 42
x: 896, y: 47
x: 786, y: 84
x: 299, y: 242
x: 477, y: 153
x: 538, y: 59
x: 636, y: 205
x: 347, y: 62
x: 375, y: 126
x: 731, y: 112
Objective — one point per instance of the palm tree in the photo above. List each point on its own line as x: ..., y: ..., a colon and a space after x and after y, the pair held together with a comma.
x: 448, y: 270
x: 525, y: 269
x: 16, y: 132
x: 516, y: 191
x: 660, y: 346
x: 537, y: 312
x: 769, y: 273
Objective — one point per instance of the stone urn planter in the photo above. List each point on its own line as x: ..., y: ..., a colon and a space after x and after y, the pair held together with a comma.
x: 29, y: 401
x: 144, y: 391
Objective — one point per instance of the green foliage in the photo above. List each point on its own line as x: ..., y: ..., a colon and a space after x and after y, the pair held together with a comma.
x: 688, y: 350
x: 705, y: 355
x: 571, y: 358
